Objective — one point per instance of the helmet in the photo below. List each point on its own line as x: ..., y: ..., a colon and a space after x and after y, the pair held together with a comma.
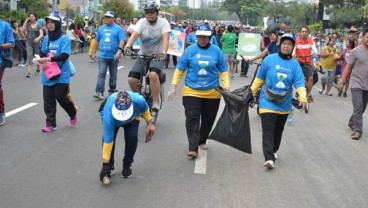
x: 204, y: 30
x: 273, y: 28
x: 151, y: 5
x: 287, y: 36
x: 54, y: 16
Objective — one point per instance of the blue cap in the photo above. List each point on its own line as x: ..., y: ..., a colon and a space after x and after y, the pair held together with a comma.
x: 204, y: 30
x: 54, y: 16
x: 109, y: 14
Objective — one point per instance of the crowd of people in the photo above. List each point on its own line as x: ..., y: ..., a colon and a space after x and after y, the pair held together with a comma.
x: 290, y: 61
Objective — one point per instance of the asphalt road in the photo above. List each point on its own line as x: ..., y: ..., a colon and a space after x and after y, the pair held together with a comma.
x: 319, y: 165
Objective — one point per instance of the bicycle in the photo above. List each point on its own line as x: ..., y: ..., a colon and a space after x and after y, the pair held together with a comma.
x: 144, y: 88
x: 256, y: 98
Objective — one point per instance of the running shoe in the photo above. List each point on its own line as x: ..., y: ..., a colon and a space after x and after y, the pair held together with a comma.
x: 192, y: 154
x: 2, y: 119
x: 73, y: 121
x: 98, y: 95
x: 49, y: 128
x: 344, y: 95
x: 22, y: 65
x: 29, y: 75
x: 269, y: 164
x: 339, y: 94
x: 320, y: 92
x: 232, y: 77
x: 329, y: 94
x: 127, y: 171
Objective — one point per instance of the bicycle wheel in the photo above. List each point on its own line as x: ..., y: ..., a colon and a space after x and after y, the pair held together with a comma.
x: 162, y: 96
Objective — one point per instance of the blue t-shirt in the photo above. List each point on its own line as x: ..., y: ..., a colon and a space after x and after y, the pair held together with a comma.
x: 203, y: 66
x: 110, y: 123
x: 6, y: 36
x: 57, y: 47
x: 273, y: 48
x: 109, y: 37
x: 279, y: 75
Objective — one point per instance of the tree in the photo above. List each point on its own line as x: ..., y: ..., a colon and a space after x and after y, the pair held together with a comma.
x: 122, y: 8
x: 245, y: 9
x: 38, y: 7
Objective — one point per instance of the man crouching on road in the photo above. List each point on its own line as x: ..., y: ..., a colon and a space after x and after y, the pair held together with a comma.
x: 122, y: 109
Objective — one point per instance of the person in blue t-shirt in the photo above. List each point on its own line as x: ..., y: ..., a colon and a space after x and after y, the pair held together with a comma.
x: 122, y: 110
x: 6, y: 43
x: 205, y: 66
x: 110, y: 40
x: 56, y: 48
x: 278, y: 75
x: 274, y: 46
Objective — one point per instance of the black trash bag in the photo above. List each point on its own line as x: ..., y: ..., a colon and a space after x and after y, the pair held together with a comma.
x: 233, y: 126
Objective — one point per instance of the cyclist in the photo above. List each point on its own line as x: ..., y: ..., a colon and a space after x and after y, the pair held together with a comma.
x: 273, y: 47
x: 154, y: 34
x: 302, y: 52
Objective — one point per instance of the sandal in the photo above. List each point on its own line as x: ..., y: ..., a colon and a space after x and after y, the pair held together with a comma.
x: 356, y: 136
x: 351, y: 126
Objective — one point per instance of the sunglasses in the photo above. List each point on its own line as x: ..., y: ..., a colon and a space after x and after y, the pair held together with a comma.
x: 150, y: 12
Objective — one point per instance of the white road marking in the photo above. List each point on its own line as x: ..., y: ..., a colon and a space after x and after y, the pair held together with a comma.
x: 10, y: 113
x: 120, y: 67
x: 201, y: 162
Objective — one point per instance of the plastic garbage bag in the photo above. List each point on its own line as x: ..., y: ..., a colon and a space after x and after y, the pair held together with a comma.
x: 233, y: 128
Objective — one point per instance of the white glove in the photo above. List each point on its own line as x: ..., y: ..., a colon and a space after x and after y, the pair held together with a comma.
x: 172, y: 92
x: 35, y: 59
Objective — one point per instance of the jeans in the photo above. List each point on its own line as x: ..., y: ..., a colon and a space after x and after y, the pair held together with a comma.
x: 200, y: 115
x: 360, y: 99
x: 2, y: 106
x: 102, y: 69
x: 272, y: 128
x: 131, y: 143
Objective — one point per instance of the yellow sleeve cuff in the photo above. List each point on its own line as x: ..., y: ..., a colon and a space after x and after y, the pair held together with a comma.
x: 302, y: 94
x: 106, y: 150
x: 224, y: 76
x: 178, y: 75
x: 257, y: 83
x: 146, y: 115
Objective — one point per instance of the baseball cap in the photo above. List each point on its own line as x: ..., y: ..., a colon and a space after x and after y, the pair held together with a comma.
x: 204, y: 30
x: 109, y: 14
x: 122, y: 109
x: 54, y: 16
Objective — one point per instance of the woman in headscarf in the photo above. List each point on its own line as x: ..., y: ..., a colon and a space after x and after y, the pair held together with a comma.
x: 56, y: 48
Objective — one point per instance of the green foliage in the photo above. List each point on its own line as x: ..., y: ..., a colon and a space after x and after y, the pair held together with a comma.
x: 122, y: 8
x: 78, y: 20
x: 246, y: 9
x: 316, y: 27
x: 346, y: 15
x: 365, y: 9
x: 39, y: 7
x: 6, y: 14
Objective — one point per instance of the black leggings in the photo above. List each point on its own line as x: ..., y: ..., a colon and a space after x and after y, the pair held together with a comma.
x: 22, y: 51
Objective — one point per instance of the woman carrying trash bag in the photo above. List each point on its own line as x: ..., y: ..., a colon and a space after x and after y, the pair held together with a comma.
x: 278, y: 75
x: 206, y: 66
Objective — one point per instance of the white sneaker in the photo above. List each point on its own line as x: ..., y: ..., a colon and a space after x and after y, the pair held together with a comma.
x: 275, y: 155
x: 269, y: 164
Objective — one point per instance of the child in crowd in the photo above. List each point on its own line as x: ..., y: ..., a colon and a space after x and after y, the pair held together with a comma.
x: 91, y: 52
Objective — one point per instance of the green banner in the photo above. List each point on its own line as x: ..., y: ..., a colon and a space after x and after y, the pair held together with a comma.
x: 249, y: 44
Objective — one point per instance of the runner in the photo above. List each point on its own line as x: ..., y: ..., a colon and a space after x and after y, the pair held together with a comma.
x: 302, y: 52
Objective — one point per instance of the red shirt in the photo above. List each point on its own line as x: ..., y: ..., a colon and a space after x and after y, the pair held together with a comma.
x: 303, y: 49
x: 78, y: 32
